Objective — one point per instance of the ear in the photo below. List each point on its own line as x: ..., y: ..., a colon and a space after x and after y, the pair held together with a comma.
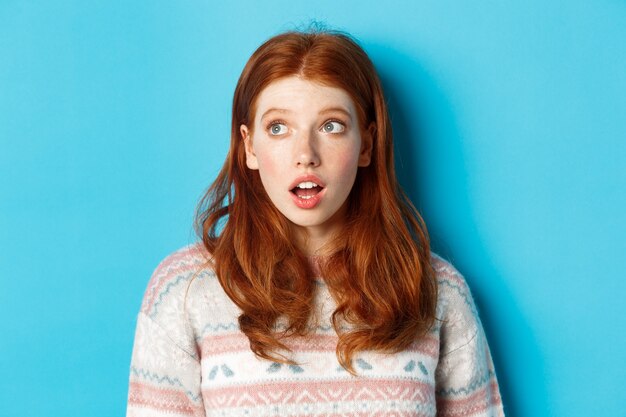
x: 251, y: 160
x: 367, y: 143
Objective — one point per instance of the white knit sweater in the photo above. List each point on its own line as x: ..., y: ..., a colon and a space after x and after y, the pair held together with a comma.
x: 190, y: 358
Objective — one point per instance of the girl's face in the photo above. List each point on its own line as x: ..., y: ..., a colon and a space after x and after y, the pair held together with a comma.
x: 307, y: 144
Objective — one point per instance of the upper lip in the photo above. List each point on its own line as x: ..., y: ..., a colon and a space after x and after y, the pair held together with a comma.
x: 304, y: 178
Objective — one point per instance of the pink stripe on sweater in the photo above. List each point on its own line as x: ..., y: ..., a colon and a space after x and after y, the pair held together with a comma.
x: 170, y: 400
x: 311, y: 392
x: 483, y: 399
x: 182, y: 262
x: 445, y: 270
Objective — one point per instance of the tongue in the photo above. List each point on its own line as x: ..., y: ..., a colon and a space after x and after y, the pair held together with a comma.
x: 306, y: 192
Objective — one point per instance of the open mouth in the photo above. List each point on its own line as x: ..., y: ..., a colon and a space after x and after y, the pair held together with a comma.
x: 306, y: 190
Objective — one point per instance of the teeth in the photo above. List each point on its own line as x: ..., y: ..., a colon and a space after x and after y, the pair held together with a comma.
x: 307, y: 184
x: 306, y: 197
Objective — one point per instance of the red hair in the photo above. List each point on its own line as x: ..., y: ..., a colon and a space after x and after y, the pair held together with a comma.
x: 378, y: 271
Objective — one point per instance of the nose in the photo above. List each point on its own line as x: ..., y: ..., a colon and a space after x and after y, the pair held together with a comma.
x: 306, y: 154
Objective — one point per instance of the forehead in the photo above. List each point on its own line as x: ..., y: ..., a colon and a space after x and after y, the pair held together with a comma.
x: 296, y: 94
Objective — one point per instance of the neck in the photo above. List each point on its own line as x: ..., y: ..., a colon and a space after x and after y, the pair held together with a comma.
x: 312, y: 242
x: 315, y: 240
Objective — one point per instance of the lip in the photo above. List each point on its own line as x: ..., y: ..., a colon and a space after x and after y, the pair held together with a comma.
x: 308, y: 177
x: 308, y: 203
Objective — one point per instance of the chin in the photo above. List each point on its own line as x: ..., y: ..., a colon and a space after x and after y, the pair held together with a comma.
x: 306, y: 223
x: 307, y: 220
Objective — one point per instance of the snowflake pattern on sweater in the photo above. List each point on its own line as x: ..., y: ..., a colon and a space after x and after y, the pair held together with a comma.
x: 191, y: 359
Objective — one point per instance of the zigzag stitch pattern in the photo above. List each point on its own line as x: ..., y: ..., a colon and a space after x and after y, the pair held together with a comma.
x: 154, y: 377
x: 474, y: 386
x: 165, y: 292
x: 462, y: 293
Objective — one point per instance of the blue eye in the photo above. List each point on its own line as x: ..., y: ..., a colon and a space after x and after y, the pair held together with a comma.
x: 333, y: 127
x: 276, y: 129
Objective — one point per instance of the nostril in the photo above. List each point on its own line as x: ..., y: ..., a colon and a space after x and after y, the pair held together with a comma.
x: 308, y: 161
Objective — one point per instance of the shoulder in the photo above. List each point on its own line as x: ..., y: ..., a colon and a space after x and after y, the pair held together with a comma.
x: 171, y: 279
x: 452, y: 286
x: 457, y: 315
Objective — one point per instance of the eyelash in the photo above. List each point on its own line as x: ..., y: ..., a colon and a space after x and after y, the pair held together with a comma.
x: 269, y: 125
x: 335, y: 121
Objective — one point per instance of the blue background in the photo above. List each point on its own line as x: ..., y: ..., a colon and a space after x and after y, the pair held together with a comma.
x: 510, y: 122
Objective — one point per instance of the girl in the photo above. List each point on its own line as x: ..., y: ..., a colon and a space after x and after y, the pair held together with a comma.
x: 314, y: 291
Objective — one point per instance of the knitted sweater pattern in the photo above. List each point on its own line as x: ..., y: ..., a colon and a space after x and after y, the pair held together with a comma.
x: 191, y: 359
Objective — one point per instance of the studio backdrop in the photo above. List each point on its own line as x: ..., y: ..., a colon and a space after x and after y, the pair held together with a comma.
x: 510, y: 140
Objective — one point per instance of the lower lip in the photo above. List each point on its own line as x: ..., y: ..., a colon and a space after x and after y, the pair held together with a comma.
x: 308, y: 203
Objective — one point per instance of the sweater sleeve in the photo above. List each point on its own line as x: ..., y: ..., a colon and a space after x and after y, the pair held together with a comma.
x: 466, y: 384
x: 164, y: 378
x: 165, y: 371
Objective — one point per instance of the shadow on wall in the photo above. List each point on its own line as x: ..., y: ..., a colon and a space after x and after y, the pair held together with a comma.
x: 430, y: 167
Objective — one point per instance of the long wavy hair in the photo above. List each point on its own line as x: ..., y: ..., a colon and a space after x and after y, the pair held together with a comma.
x: 378, y: 269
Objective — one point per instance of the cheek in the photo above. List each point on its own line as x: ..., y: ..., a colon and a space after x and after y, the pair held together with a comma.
x: 346, y: 166
x: 348, y: 159
x: 264, y: 157
x: 269, y: 166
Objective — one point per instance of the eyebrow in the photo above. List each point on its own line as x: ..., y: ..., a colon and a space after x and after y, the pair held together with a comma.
x: 336, y: 110
x: 322, y: 112
x: 274, y: 110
